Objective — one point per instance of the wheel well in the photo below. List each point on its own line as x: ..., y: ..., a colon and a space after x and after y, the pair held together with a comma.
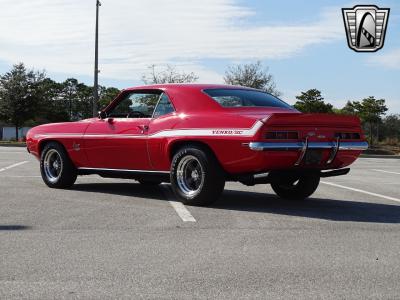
x: 42, y: 144
x: 204, y: 146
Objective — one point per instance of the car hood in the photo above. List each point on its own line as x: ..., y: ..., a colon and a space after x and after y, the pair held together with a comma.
x: 65, y: 127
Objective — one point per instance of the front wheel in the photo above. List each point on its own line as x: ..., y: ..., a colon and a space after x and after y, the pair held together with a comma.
x: 56, y: 168
x: 295, y: 187
x: 196, y: 177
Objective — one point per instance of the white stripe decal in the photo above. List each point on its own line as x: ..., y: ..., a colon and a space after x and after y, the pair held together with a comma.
x: 247, y: 132
x: 210, y: 132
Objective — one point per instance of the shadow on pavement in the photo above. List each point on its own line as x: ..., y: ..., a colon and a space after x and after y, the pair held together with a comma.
x: 327, y: 209
x: 13, y: 227
x: 122, y: 189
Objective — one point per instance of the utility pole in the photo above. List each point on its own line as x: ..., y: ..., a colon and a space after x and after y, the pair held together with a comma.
x: 96, y: 63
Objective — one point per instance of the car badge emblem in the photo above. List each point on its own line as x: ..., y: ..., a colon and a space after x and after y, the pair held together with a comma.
x: 76, y: 146
x: 311, y: 133
x: 365, y: 27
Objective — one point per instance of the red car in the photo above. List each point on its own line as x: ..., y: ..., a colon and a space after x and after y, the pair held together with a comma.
x: 197, y: 137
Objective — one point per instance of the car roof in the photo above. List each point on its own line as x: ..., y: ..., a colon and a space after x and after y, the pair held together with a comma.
x: 189, y: 97
x: 191, y: 86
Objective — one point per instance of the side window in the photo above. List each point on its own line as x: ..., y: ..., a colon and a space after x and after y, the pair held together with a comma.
x: 164, y: 106
x: 135, y: 105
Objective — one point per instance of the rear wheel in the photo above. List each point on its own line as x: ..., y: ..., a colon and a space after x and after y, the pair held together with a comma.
x: 56, y: 168
x: 295, y: 186
x: 196, y: 176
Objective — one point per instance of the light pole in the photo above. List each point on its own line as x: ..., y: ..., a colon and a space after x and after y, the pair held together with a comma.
x: 96, y: 63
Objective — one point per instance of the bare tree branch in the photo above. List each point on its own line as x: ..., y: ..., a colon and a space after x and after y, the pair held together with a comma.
x: 252, y: 75
x: 167, y: 75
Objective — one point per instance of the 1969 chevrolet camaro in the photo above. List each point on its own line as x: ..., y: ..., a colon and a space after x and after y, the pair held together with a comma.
x: 198, y: 137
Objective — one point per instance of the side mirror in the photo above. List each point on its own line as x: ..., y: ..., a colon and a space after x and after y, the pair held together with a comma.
x: 102, y: 114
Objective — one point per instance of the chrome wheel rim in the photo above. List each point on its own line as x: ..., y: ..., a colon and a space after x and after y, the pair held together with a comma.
x: 190, y: 176
x: 52, y: 165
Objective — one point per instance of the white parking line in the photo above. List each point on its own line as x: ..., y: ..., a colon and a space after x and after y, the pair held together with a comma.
x: 13, y: 166
x: 180, y: 209
x: 360, y: 191
x: 383, y: 171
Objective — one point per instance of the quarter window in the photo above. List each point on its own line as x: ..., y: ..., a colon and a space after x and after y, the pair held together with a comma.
x: 164, y: 106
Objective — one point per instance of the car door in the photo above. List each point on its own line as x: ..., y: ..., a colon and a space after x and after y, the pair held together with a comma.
x: 119, y: 141
x: 164, y: 118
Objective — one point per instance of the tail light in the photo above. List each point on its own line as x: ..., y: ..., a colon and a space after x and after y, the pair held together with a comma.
x: 347, y: 135
x: 282, y: 135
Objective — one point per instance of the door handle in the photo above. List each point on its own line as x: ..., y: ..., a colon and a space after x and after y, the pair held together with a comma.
x: 143, y: 128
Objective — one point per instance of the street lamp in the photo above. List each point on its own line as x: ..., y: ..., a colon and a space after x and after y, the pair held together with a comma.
x: 96, y: 63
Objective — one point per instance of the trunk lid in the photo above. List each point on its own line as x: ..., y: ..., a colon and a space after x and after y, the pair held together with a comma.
x: 313, y: 120
x: 317, y: 127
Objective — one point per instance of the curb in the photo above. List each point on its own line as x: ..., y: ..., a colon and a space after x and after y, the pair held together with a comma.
x: 13, y: 145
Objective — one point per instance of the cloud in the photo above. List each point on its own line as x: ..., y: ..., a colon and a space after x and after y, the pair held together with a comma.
x: 393, y: 106
x: 59, y: 35
x: 389, y: 60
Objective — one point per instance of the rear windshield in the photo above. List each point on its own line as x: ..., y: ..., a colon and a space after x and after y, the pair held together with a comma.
x: 242, y: 97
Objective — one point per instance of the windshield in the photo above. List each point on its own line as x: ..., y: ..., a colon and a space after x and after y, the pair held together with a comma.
x: 245, y: 98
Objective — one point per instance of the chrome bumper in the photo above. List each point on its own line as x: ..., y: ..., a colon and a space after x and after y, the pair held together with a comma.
x: 303, y: 147
x: 271, y: 146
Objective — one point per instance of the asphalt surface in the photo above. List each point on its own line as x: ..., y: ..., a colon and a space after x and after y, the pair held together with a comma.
x: 113, y: 239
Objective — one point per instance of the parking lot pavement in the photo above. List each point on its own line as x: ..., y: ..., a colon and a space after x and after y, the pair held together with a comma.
x: 111, y: 238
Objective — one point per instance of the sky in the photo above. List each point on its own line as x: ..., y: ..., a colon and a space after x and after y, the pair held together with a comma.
x: 302, y: 42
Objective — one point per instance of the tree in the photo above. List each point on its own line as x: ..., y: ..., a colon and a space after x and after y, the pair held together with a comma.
x: 311, y: 101
x: 18, y: 95
x: 391, y: 128
x: 69, y: 96
x: 371, y: 110
x: 29, y: 98
x: 348, y: 109
x: 168, y: 75
x: 77, y: 98
x: 107, y: 95
x: 51, y: 107
x: 252, y: 75
x: 84, y: 103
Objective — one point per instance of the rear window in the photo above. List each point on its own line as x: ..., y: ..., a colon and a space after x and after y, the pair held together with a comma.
x: 242, y: 97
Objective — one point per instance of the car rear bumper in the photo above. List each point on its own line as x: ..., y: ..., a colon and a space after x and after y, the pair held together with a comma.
x: 333, y: 149
x: 265, y: 146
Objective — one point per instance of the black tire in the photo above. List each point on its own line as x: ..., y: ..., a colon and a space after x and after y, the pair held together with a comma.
x: 149, y: 182
x: 206, y: 181
x: 63, y: 174
x: 295, y: 186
